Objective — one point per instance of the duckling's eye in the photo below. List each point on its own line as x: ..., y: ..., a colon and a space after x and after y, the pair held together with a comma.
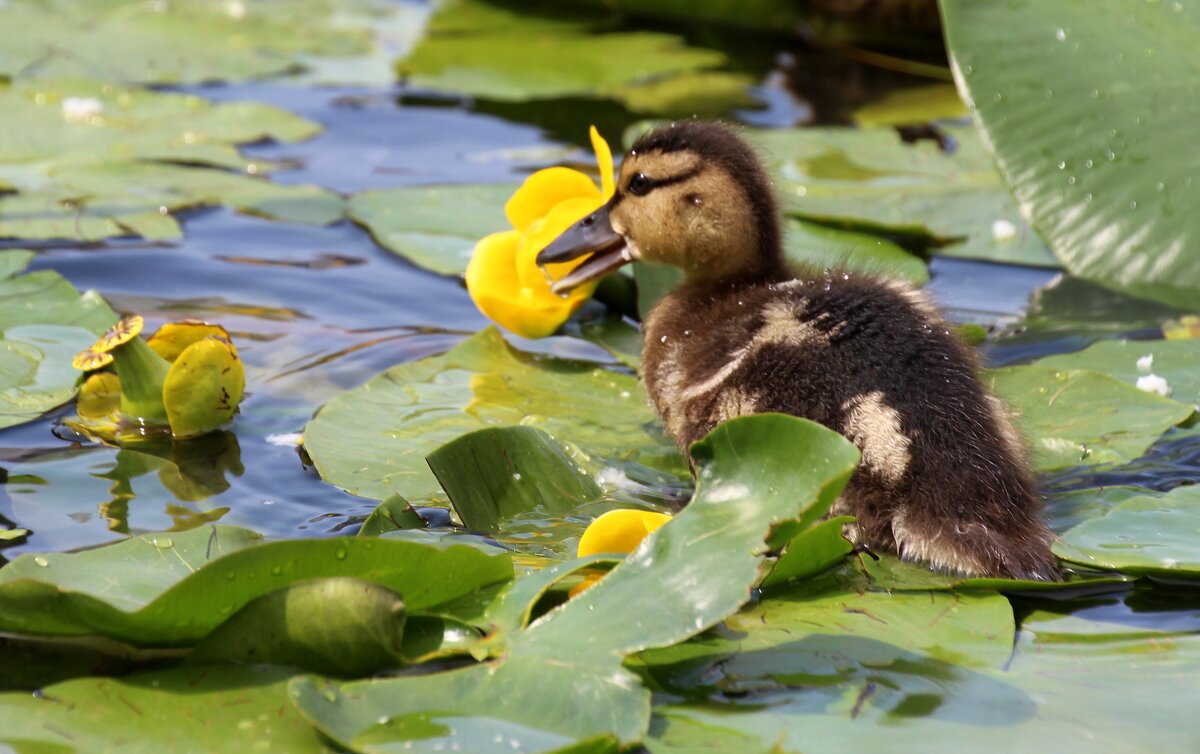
x: 640, y: 185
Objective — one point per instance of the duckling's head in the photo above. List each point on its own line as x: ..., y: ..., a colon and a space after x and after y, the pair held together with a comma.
x: 692, y: 195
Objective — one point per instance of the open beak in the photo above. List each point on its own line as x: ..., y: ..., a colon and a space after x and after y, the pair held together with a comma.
x: 592, y: 235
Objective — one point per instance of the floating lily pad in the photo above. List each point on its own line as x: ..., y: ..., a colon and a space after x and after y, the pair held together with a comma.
x: 918, y: 105
x: 814, y: 247
x: 43, y: 323
x: 1080, y: 418
x: 870, y: 178
x: 1143, y: 534
x: 90, y: 161
x: 173, y: 589
x: 372, y: 441
x: 1176, y: 361
x: 179, y: 42
x: 831, y: 691
x: 1081, y: 103
x: 220, y: 709
x: 497, y: 473
x: 559, y: 681
x: 491, y: 52
x: 433, y: 227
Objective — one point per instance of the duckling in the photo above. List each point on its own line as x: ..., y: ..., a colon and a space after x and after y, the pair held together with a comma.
x: 943, y: 479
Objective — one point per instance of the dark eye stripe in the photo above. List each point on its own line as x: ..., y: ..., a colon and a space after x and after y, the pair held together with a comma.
x: 654, y: 183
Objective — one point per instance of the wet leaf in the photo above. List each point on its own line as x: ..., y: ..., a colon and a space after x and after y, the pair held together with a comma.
x: 219, y: 709
x: 172, y: 589
x: 903, y: 107
x: 494, y: 53
x: 870, y: 178
x: 336, y: 626
x: 1176, y: 361
x: 433, y: 227
x: 1083, y: 107
x: 44, y: 322
x: 559, y: 681
x: 495, y: 474
x: 372, y: 441
x: 181, y: 42
x: 815, y: 247
x: 393, y: 514
x: 810, y: 552
x: 1080, y: 418
x: 1154, y: 534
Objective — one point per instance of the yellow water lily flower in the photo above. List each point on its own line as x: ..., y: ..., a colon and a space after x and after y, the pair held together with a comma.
x: 617, y: 532
x: 186, y: 379
x: 503, y: 277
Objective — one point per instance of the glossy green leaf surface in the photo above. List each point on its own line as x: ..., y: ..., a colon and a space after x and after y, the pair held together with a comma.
x: 173, y: 589
x: 339, y: 626
x: 559, y: 681
x: 1155, y: 534
x: 90, y: 161
x: 492, y: 52
x: 433, y: 227
x: 870, y: 178
x: 218, y: 709
x: 1073, y: 418
x: 182, y: 42
x: 372, y: 441
x: 837, y: 681
x: 1176, y: 361
x: 1090, y: 118
x: 814, y: 247
x: 494, y: 474
x: 43, y: 323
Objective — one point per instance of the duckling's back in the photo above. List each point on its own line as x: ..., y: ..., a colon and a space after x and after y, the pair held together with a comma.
x: 943, y: 477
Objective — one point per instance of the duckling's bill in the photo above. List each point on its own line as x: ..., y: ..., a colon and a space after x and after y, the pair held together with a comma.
x: 594, y: 236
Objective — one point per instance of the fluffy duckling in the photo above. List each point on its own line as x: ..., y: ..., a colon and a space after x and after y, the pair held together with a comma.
x: 943, y: 478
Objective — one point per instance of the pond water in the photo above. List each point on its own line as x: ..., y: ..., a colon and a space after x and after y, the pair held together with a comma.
x: 318, y: 310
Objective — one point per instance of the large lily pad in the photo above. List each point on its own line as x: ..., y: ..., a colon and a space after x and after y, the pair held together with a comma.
x: 828, y: 691
x: 173, y: 589
x: 1083, y: 106
x: 1080, y: 418
x: 43, y: 323
x: 559, y: 682
x: 219, y: 709
x: 1176, y: 361
x: 180, y: 42
x: 870, y: 177
x: 491, y: 52
x: 372, y: 441
x: 432, y: 227
x: 1143, y: 534
x: 90, y: 161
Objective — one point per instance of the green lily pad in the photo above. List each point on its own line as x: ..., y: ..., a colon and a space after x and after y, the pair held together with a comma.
x: 173, y: 589
x: 1082, y: 107
x: 559, y: 681
x: 1143, y: 534
x: 497, y: 473
x: 92, y: 161
x: 44, y: 322
x: 870, y: 178
x: 218, y: 709
x: 810, y: 552
x: 833, y: 692
x: 1080, y: 418
x: 904, y: 107
x: 181, y: 42
x: 1176, y: 361
x: 433, y: 227
x: 393, y: 514
x: 338, y: 626
x: 372, y: 441
x: 494, y: 53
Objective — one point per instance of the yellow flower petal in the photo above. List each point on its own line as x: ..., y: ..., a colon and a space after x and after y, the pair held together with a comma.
x: 497, y: 289
x: 544, y: 189
x: 619, y: 531
x: 604, y: 161
x: 539, y: 235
